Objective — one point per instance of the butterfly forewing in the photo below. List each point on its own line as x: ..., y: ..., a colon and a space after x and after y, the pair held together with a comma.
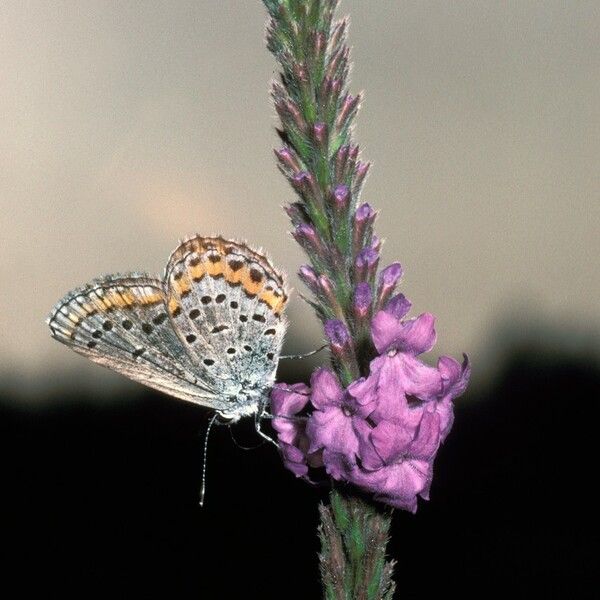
x: 122, y: 322
x: 227, y: 303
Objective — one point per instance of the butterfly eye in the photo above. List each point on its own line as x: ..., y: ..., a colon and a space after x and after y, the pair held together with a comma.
x: 190, y: 339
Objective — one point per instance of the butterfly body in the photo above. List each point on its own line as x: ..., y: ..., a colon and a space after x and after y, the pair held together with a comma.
x: 210, y: 332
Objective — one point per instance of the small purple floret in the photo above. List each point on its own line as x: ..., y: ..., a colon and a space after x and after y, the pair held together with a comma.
x: 364, y: 213
x: 306, y: 231
x: 320, y: 133
x: 338, y: 335
x: 300, y: 179
x: 362, y: 300
x: 388, y: 279
x: 341, y: 196
x: 391, y: 275
x: 367, y: 257
x: 309, y: 276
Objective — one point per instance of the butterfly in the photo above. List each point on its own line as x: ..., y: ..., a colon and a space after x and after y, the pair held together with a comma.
x: 210, y: 332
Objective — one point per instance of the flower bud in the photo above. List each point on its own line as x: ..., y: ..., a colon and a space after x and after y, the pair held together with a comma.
x: 341, y: 197
x: 339, y: 337
x: 362, y: 170
x: 365, y: 265
x: 300, y: 72
x: 364, y: 218
x: 351, y: 163
x: 339, y: 32
x: 299, y: 180
x: 398, y: 306
x: 288, y: 159
x: 326, y: 285
x: 348, y: 109
x: 296, y: 213
x: 336, y: 88
x: 296, y: 115
x: 361, y: 302
x: 388, y: 279
x: 376, y: 243
x: 327, y: 291
x: 307, y: 237
x: 320, y: 135
x: 310, y: 278
x: 340, y: 162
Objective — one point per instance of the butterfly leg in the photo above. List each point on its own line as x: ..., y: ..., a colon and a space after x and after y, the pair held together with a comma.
x: 259, y: 416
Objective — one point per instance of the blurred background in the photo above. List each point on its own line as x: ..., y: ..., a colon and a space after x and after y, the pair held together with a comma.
x: 125, y: 126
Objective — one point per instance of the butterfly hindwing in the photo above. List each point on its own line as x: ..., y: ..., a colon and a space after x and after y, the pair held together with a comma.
x: 122, y: 322
x: 227, y: 304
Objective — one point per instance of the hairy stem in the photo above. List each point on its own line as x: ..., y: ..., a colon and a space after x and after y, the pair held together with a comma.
x: 323, y: 166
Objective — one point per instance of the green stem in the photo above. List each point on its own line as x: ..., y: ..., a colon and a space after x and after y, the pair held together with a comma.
x: 354, y: 535
x: 317, y: 113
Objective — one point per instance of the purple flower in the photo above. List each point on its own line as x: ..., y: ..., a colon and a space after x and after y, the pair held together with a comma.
x: 286, y: 403
x: 383, y: 431
x: 330, y: 427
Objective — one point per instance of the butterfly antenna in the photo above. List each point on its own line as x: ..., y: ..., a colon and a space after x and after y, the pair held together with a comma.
x: 203, y: 489
x: 299, y: 356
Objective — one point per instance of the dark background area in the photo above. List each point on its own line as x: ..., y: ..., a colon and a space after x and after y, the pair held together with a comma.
x: 105, y: 500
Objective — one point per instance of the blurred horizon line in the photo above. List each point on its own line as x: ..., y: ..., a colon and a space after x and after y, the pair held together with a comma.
x: 508, y: 337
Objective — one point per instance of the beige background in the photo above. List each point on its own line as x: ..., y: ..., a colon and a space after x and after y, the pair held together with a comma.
x: 126, y: 125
